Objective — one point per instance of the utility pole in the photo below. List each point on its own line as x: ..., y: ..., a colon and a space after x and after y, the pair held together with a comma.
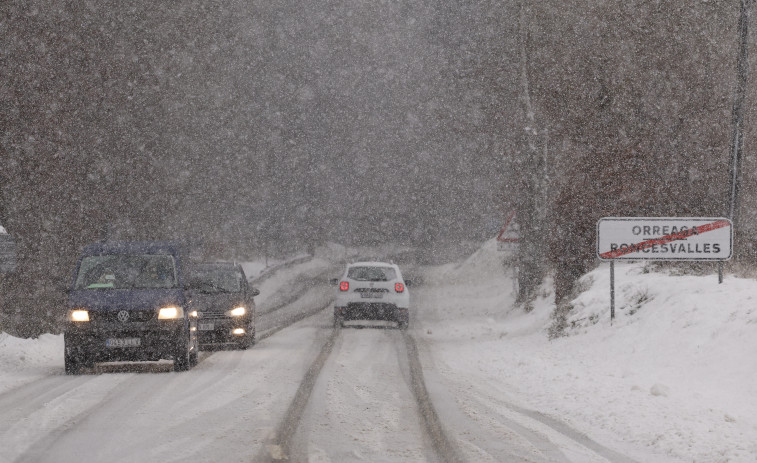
x: 737, y: 117
x: 737, y: 142
x: 529, y: 219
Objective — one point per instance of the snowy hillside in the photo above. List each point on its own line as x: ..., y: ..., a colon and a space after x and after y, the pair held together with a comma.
x: 673, y: 379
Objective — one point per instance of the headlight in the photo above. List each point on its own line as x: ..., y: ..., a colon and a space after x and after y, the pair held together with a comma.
x: 170, y: 313
x: 78, y: 315
x: 237, y: 311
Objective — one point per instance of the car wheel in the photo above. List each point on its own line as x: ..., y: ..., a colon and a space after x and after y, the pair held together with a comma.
x: 402, y: 324
x: 338, y: 322
x: 72, y: 363
x: 182, y: 360
x: 247, y: 342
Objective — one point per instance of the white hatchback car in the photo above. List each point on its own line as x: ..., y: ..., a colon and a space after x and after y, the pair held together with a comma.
x: 372, y: 291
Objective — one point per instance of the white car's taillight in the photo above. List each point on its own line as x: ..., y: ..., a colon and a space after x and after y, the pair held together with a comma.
x: 399, y: 287
x: 344, y: 286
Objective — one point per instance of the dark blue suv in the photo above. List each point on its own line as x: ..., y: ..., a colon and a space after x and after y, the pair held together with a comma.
x: 127, y: 302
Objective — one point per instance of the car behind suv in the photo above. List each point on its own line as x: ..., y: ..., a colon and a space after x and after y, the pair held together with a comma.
x: 224, y: 303
x: 372, y: 291
x: 127, y: 303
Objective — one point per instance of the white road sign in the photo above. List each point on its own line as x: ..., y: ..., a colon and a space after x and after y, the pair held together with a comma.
x: 664, y: 238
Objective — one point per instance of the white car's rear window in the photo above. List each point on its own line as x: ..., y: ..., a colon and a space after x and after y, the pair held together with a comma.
x: 371, y: 273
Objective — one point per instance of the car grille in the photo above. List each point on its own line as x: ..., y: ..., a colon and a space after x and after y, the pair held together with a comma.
x: 112, y: 315
x: 212, y: 313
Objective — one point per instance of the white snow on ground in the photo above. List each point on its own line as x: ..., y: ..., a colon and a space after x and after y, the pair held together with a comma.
x: 673, y: 379
x: 24, y: 360
x: 253, y: 269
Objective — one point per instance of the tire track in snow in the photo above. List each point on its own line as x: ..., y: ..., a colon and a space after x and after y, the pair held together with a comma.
x: 17, y: 402
x: 278, y: 448
x: 554, y: 440
x: 44, y: 426
x: 445, y: 448
x: 291, y: 320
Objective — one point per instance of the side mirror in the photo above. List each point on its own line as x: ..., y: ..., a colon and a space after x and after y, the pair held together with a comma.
x: 334, y: 281
x: 408, y: 283
x: 254, y: 291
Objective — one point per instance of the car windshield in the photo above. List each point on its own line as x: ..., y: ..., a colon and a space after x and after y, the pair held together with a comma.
x: 121, y: 271
x: 371, y: 273
x: 215, y: 280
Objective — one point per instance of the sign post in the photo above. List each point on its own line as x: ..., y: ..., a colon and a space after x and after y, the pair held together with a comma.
x: 612, y: 291
x: 662, y: 238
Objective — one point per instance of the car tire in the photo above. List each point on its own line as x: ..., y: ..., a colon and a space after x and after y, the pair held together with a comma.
x: 402, y: 324
x: 247, y: 342
x: 182, y: 360
x: 72, y: 364
x: 338, y: 322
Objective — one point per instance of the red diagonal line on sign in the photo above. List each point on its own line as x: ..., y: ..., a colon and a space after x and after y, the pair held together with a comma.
x: 666, y: 239
x: 502, y: 232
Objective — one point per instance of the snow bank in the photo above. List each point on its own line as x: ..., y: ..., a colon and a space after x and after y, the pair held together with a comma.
x: 673, y: 379
x: 23, y: 360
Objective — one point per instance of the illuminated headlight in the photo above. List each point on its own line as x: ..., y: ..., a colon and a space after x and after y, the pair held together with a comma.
x: 237, y: 331
x: 78, y: 315
x: 170, y: 313
x: 193, y: 314
x: 237, y: 312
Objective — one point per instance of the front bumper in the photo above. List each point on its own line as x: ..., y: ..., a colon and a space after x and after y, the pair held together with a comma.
x: 157, y: 339
x: 221, y: 330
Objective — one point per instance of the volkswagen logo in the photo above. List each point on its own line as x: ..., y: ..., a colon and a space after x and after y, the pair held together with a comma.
x: 123, y: 316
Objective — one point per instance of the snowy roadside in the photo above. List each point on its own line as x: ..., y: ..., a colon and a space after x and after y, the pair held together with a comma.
x: 673, y: 380
x: 25, y: 360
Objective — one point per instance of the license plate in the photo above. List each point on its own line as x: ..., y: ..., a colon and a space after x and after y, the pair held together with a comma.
x: 372, y: 295
x: 206, y: 326
x: 123, y: 342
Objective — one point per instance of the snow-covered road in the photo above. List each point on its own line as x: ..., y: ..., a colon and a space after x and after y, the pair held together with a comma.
x: 498, y: 389
x: 362, y: 407
x: 222, y: 410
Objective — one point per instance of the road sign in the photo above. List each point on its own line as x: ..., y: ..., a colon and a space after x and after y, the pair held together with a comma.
x: 664, y: 238
x: 508, y: 235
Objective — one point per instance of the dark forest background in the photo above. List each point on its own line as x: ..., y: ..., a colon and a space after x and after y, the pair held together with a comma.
x: 269, y: 127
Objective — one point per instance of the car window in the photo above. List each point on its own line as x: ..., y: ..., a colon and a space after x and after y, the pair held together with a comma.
x: 372, y: 273
x: 218, y: 280
x: 122, y: 271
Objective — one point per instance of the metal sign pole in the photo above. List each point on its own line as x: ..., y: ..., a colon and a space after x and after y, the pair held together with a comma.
x: 612, y: 291
x: 720, y: 272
